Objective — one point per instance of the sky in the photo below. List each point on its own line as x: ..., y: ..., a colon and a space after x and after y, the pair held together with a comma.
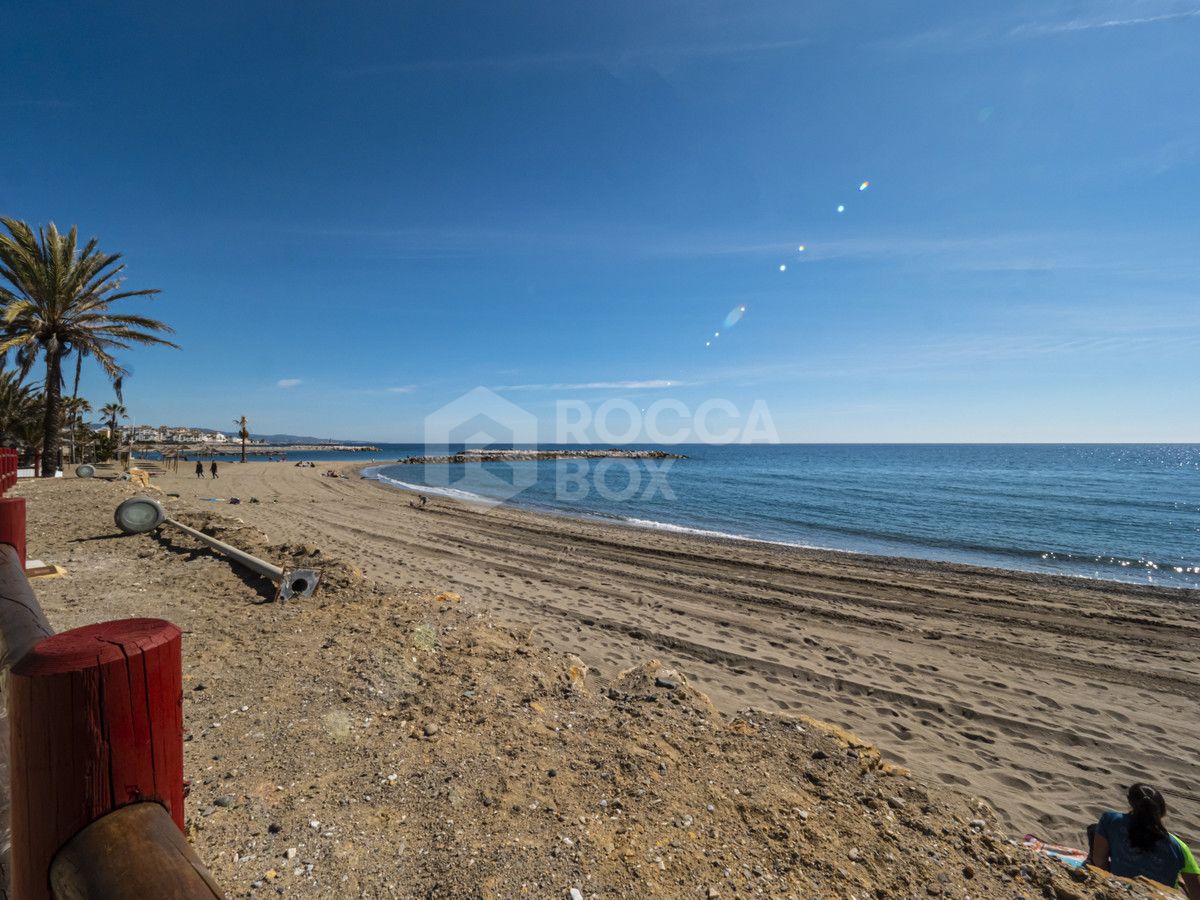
x: 357, y: 212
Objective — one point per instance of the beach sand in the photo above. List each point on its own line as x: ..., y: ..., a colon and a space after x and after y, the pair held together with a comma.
x: 1044, y: 695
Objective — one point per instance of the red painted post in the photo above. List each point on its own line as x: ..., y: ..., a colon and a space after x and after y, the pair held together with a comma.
x: 12, y: 524
x: 12, y: 509
x: 97, y: 723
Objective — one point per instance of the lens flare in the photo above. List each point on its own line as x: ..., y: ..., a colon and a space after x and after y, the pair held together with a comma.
x: 800, y: 249
x: 864, y: 185
x: 783, y: 268
x: 841, y: 208
x: 734, y: 316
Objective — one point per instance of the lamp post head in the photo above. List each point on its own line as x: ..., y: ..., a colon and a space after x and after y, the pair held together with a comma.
x: 137, y: 515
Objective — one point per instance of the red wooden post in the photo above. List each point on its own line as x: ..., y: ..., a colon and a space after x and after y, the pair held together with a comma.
x: 97, y: 723
x: 12, y: 509
x: 12, y: 524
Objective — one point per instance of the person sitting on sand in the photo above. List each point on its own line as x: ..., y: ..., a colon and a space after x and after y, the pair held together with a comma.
x: 1137, y: 843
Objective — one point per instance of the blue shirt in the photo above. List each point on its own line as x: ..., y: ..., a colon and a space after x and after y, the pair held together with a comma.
x: 1162, y: 863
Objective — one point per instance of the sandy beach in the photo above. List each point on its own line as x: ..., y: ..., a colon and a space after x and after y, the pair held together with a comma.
x: 1044, y: 695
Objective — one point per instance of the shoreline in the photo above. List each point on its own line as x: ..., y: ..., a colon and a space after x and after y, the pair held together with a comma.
x: 357, y: 468
x: 1040, y: 693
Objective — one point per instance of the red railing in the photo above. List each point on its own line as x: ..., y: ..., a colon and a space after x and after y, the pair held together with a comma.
x: 12, y: 509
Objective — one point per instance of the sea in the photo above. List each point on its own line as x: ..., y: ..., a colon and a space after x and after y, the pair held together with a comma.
x: 1120, y: 512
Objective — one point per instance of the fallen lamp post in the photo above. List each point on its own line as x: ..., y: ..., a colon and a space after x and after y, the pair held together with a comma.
x: 139, y: 515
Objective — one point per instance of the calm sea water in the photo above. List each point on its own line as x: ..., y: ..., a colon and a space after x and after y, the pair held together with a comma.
x: 1122, y: 512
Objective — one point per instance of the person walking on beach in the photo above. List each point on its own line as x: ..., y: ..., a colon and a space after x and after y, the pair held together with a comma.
x: 213, y: 469
x: 199, y: 469
x: 1137, y: 843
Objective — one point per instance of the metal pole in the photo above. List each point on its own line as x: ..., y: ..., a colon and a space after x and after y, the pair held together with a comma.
x: 138, y: 515
x: 252, y: 563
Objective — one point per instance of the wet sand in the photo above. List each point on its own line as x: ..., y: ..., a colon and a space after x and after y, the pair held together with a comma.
x: 1044, y: 695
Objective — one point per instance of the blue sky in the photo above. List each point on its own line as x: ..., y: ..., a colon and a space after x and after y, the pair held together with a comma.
x: 356, y: 211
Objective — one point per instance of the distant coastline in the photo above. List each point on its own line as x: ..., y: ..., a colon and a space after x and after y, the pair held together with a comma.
x: 468, y: 456
x: 235, y: 448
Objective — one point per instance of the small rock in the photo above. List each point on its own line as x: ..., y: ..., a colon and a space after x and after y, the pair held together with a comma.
x: 274, y: 828
x: 895, y: 802
x: 854, y: 854
x: 576, y: 894
x: 289, y: 853
x: 663, y: 682
x: 978, y: 824
x: 224, y: 802
x: 430, y: 729
x: 553, y: 773
x: 820, y: 754
x: 968, y: 872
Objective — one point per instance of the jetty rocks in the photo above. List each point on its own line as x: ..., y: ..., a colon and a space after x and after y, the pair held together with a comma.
x: 468, y: 456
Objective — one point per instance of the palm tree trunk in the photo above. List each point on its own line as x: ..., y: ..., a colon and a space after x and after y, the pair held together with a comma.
x: 243, y: 448
x: 74, y: 399
x: 52, y: 424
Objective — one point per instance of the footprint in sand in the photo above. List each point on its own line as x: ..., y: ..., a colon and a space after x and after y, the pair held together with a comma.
x: 1012, y: 781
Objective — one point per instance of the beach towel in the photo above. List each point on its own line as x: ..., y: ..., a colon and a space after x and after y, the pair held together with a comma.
x: 1069, y: 855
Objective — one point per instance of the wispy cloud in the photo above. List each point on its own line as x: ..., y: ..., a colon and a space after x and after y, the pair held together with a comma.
x: 403, y: 389
x: 654, y: 384
x: 615, y: 57
x: 288, y: 382
x: 1069, y: 25
x: 962, y: 352
x: 1039, y: 250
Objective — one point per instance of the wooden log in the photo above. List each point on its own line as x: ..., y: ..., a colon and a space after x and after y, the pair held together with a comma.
x: 22, y: 622
x: 96, y: 717
x: 131, y: 854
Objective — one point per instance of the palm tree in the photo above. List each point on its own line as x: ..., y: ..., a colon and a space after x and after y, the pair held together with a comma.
x: 19, y: 404
x: 244, y: 434
x: 112, y: 412
x: 74, y: 407
x: 57, y: 301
